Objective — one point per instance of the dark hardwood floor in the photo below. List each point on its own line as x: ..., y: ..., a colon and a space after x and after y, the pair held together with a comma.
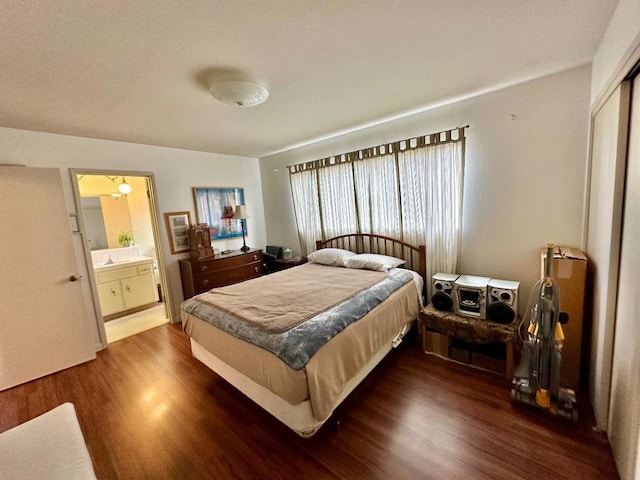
x: 149, y: 410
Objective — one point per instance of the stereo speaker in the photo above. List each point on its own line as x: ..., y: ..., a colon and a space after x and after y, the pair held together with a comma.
x: 502, y: 301
x: 442, y: 289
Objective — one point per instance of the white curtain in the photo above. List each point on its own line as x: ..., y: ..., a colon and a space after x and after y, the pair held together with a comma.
x: 337, y: 200
x: 414, y: 195
x: 431, y: 183
x: 376, y: 184
x: 304, y: 189
x: 413, y: 192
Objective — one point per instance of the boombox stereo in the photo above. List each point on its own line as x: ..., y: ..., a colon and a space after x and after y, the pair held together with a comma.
x: 442, y: 288
x: 478, y: 297
x: 470, y: 296
x: 502, y: 300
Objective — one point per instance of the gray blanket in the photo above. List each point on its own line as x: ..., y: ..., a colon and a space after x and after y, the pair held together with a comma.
x: 296, y: 346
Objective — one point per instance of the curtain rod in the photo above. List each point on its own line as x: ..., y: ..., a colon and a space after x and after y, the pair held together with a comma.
x: 384, y: 149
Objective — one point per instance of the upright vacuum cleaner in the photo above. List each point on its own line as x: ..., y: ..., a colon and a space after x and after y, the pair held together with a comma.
x: 536, y: 380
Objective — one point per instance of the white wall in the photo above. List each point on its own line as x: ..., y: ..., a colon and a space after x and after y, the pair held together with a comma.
x: 141, y: 225
x: 176, y: 172
x: 524, y: 177
x: 618, y: 51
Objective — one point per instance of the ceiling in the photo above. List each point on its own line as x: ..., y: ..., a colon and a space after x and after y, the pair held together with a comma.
x: 139, y: 71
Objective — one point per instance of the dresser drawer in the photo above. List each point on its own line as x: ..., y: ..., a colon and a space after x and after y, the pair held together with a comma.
x: 200, y: 275
x: 214, y: 265
x: 207, y: 281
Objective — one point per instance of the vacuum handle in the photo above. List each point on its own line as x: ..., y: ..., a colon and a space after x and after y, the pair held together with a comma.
x: 548, y: 264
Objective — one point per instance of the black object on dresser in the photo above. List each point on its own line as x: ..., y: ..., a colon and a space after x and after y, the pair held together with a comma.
x: 284, y: 263
x: 200, y: 275
x: 270, y: 254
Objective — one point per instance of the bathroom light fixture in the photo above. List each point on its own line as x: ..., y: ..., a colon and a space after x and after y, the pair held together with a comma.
x: 239, y: 93
x: 124, y: 187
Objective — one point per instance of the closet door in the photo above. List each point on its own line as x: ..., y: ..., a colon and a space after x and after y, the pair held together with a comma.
x: 624, y: 416
x: 44, y: 326
x: 606, y: 188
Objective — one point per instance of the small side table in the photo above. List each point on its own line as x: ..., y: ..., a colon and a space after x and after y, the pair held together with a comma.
x: 284, y: 263
x: 470, y: 330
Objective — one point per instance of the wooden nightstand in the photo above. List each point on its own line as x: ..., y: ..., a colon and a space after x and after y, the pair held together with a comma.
x: 470, y: 330
x: 284, y: 263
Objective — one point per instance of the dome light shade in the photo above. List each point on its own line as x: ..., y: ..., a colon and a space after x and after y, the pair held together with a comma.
x: 239, y: 93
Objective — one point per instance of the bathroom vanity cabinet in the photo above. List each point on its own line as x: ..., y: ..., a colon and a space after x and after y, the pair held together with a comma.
x: 126, y: 286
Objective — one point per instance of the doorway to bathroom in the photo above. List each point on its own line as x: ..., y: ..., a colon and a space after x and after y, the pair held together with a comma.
x: 118, y: 221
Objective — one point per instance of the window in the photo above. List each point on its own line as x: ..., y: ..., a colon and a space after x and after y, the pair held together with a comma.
x: 409, y: 190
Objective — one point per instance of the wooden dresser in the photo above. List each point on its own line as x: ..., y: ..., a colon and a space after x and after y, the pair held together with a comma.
x: 200, y: 275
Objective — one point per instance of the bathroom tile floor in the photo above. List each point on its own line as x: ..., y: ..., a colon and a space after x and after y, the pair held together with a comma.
x: 135, y: 323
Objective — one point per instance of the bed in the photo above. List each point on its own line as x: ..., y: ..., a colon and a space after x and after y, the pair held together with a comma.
x: 293, y: 343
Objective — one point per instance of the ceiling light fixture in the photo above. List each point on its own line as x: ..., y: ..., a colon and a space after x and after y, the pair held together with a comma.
x: 124, y: 187
x: 239, y: 93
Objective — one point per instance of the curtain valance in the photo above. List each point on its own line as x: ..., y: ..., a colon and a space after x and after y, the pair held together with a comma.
x: 430, y: 139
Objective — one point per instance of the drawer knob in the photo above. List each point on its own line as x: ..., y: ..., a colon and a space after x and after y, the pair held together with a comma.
x: 205, y: 282
x: 128, y: 288
x: 203, y: 268
x: 255, y: 257
x: 256, y: 269
x: 113, y: 291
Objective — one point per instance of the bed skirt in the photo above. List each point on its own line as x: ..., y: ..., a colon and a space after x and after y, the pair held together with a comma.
x: 299, y: 417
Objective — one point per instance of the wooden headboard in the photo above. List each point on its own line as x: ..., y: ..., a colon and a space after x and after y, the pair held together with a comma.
x: 416, y: 257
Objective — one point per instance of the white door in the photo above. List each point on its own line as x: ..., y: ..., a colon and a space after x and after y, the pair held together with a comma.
x: 609, y: 147
x: 624, y: 418
x: 43, y: 318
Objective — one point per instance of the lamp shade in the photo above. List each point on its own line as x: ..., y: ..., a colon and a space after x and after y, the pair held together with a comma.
x: 239, y: 93
x: 241, y: 213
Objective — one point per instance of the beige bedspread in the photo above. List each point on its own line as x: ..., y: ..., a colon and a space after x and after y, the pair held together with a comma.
x: 326, y: 374
x: 275, y: 304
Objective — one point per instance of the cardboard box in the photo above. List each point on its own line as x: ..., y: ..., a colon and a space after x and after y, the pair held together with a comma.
x: 569, y: 270
x: 460, y: 351
x: 437, y: 343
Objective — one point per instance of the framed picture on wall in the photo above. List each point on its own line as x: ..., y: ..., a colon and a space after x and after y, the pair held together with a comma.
x: 178, y: 230
x: 215, y: 207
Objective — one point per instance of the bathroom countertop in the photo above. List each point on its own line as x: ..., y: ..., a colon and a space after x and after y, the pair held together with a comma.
x: 129, y: 262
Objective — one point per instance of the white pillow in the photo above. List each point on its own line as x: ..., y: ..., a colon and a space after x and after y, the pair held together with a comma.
x: 330, y: 256
x: 372, y: 261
